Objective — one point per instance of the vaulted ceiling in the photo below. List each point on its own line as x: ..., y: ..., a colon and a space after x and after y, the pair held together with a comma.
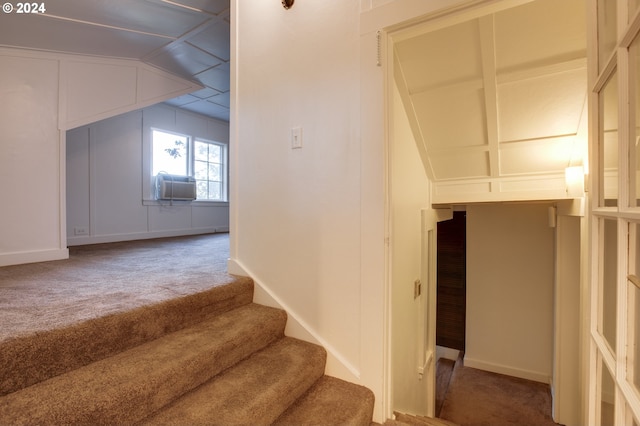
x: 189, y: 38
x: 500, y: 95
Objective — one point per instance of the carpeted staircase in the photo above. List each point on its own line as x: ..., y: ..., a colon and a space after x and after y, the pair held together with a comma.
x: 210, y: 358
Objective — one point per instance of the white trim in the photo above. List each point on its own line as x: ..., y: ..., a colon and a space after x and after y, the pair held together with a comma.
x: 337, y: 365
x: 506, y: 370
x: 234, y: 268
x: 194, y: 203
x: 566, y: 372
x: 548, y: 187
x: 112, y: 238
x: 62, y: 188
x: 18, y: 258
x: 446, y: 353
x: 232, y: 158
x: 614, y: 359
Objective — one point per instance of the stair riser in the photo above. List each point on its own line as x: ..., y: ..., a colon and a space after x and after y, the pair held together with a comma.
x: 128, y: 387
x: 32, y: 359
x: 334, y: 401
x: 210, y: 358
x: 255, y: 391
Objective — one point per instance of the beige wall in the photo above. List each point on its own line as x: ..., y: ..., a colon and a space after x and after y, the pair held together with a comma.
x: 510, y: 284
x: 566, y: 363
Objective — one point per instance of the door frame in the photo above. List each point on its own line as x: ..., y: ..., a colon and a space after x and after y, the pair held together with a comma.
x: 387, y: 36
x: 610, y: 359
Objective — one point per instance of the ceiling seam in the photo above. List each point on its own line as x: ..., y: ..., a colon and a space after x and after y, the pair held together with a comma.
x: 111, y: 27
x: 488, y: 49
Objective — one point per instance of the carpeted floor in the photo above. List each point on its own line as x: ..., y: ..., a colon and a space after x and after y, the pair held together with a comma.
x: 444, y: 370
x: 103, y: 279
x: 481, y: 398
x: 191, y: 349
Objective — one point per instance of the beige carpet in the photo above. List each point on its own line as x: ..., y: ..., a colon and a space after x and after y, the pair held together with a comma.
x: 444, y: 370
x: 471, y: 397
x: 103, y: 279
x: 481, y: 398
x: 181, y: 343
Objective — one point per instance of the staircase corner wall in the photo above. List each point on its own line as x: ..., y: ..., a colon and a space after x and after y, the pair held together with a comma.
x: 337, y: 366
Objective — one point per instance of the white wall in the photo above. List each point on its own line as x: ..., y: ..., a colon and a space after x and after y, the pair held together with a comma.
x: 310, y: 225
x: 43, y: 94
x: 298, y: 211
x: 109, y: 182
x: 30, y: 160
x: 409, y: 195
x: 510, y: 285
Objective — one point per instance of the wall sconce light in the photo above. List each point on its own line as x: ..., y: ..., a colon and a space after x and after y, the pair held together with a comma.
x: 574, y: 180
x: 287, y: 4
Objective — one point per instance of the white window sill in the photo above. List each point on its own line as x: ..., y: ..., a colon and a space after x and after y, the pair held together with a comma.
x: 197, y: 203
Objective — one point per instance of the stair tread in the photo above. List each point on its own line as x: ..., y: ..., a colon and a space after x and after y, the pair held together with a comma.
x: 331, y: 401
x: 34, y: 358
x: 128, y: 386
x: 255, y: 391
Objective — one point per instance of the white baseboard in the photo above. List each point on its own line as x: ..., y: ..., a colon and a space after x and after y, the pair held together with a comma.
x: 336, y: 365
x: 447, y: 353
x: 19, y: 258
x: 113, y: 238
x: 507, y: 371
x: 234, y: 268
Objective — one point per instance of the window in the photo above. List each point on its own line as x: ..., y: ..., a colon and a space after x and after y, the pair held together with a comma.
x: 614, y: 358
x: 209, y: 170
x: 170, y: 153
x: 206, y: 161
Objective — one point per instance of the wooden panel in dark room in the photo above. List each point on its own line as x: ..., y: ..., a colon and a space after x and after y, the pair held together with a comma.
x: 451, y: 282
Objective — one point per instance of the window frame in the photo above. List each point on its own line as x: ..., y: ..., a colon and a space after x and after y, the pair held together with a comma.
x: 224, y: 172
x: 603, y: 356
x: 149, y: 193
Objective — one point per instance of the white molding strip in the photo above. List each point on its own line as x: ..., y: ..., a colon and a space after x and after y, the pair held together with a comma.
x: 234, y: 268
x: 112, y: 238
x: 18, y: 258
x: 512, y: 188
x: 447, y: 353
x: 337, y: 365
x: 507, y: 371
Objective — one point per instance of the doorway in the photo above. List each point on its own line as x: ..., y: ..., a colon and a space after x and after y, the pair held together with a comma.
x: 451, y: 282
x: 451, y: 77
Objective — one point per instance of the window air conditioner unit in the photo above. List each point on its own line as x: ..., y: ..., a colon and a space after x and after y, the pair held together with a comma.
x: 175, y: 187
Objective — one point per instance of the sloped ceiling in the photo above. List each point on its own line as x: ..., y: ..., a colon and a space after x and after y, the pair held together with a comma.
x: 501, y: 95
x: 188, y: 38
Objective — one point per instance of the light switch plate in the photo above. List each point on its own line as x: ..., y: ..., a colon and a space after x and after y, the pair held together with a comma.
x: 296, y: 137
